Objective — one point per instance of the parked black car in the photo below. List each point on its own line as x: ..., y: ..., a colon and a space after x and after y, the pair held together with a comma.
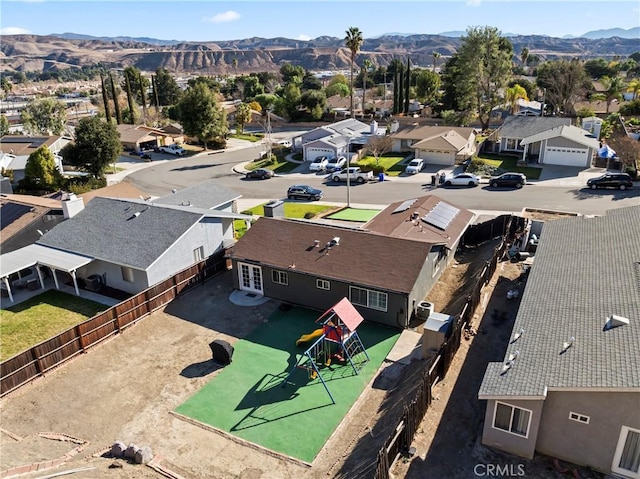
x: 622, y: 181
x: 303, y: 192
x: 260, y: 173
x: 516, y: 180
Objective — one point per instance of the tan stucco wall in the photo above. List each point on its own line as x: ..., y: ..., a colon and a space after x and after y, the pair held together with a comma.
x: 512, y: 443
x: 594, y: 444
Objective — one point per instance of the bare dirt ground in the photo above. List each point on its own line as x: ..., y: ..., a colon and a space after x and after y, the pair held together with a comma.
x: 126, y: 389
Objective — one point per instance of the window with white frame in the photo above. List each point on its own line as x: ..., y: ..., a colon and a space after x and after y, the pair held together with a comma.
x: 198, y: 254
x: 368, y: 298
x: 323, y: 284
x: 127, y: 274
x: 512, y: 419
x: 574, y: 416
x: 626, y: 460
x: 280, y: 277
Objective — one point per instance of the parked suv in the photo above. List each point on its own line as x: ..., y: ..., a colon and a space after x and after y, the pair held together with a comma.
x: 303, y: 192
x: 517, y: 180
x: 622, y: 181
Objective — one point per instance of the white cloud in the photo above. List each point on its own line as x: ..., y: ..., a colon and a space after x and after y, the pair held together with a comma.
x: 474, y: 3
x: 304, y: 38
x: 14, y: 31
x: 224, y: 17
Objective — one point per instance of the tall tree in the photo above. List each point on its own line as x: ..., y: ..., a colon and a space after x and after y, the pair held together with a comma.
x: 105, y: 99
x: 485, y: 66
x: 201, y: 115
x: 243, y: 116
x: 41, y: 170
x: 353, y: 41
x: 4, y: 125
x: 407, y: 84
x: 130, y: 101
x: 524, y: 56
x: 116, y: 104
x: 563, y: 83
x: 143, y: 96
x: 436, y: 55
x: 614, y: 88
x: 97, y: 144
x: 44, y: 117
x: 427, y: 86
x: 366, y: 68
x: 137, y: 82
x: 512, y: 95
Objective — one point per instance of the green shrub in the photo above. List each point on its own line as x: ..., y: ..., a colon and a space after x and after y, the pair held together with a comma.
x: 309, y: 214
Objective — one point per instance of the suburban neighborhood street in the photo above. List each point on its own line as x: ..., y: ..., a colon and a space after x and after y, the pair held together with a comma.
x: 556, y: 192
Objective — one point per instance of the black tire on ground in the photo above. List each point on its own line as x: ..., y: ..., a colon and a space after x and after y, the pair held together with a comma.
x: 336, y: 179
x: 471, y: 183
x: 494, y: 185
x: 594, y: 187
x: 519, y: 185
x: 290, y: 197
x: 360, y: 179
x: 623, y: 187
x: 447, y: 183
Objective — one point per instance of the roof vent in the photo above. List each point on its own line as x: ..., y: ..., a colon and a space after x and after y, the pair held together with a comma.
x: 335, y: 241
x: 614, y: 321
x: 567, y: 344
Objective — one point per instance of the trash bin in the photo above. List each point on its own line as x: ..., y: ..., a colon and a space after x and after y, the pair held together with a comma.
x: 381, y: 176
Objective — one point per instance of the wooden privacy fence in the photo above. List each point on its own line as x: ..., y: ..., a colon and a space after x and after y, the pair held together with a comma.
x: 49, y: 354
x: 414, y: 411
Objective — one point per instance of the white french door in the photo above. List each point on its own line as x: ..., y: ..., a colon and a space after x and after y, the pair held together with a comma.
x: 626, y: 460
x: 250, y: 277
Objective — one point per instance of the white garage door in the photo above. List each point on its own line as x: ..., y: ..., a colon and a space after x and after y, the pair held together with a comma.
x: 311, y: 154
x: 433, y: 157
x: 566, y: 156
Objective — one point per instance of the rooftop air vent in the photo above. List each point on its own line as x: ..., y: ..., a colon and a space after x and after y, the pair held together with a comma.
x: 614, y: 321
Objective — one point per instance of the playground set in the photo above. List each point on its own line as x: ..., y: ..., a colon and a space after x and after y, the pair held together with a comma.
x: 336, y: 340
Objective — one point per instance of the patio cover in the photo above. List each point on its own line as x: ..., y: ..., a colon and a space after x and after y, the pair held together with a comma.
x: 37, y: 254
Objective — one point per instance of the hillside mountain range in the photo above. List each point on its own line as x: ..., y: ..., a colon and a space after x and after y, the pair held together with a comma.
x: 42, y: 53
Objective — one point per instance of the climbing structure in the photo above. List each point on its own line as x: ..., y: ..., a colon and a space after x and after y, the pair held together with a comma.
x: 339, y: 342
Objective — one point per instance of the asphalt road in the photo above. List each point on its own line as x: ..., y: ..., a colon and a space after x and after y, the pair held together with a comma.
x: 159, y: 178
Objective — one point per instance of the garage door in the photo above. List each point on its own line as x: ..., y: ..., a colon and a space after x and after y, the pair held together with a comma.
x: 566, y: 156
x: 433, y: 157
x: 311, y: 154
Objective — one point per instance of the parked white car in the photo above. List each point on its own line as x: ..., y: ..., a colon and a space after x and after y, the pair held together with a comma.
x: 415, y: 166
x: 336, y: 163
x: 319, y: 164
x: 462, y: 179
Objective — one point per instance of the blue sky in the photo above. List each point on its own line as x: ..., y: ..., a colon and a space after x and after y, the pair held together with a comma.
x: 213, y: 20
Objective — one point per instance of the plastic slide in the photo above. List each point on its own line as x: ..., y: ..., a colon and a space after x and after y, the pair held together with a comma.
x: 305, y: 338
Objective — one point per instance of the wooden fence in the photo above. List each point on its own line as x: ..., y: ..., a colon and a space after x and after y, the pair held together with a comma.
x: 414, y: 410
x: 39, y: 359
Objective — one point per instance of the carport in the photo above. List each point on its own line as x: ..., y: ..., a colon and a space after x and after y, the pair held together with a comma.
x: 38, y: 255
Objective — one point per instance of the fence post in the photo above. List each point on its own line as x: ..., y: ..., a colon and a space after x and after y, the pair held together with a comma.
x: 81, y: 338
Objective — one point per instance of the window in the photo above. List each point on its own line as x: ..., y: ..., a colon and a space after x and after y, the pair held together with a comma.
x: 370, y: 299
x: 574, y: 416
x: 626, y: 460
x: 323, y: 284
x: 127, y: 274
x: 511, y: 419
x: 198, y: 254
x: 280, y: 277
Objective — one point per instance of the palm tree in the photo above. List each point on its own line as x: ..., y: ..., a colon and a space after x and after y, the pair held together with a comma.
x: 634, y: 87
x: 613, y: 89
x: 524, y: 56
x: 366, y: 67
x: 436, y: 55
x: 512, y: 96
x: 353, y: 41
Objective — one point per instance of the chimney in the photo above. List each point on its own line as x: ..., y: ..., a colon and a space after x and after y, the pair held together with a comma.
x: 71, y: 205
x: 374, y: 127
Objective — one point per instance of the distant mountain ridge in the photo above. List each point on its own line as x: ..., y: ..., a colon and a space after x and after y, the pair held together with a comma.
x: 249, y: 55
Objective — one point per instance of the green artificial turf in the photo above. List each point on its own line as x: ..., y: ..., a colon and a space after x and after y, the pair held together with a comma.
x: 251, y: 400
x: 353, y: 214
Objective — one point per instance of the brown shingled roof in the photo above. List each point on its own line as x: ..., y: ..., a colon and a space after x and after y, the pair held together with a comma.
x: 399, y: 225
x: 363, y: 258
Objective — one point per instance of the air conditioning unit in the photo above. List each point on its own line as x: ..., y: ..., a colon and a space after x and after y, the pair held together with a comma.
x: 93, y: 282
x: 424, y: 310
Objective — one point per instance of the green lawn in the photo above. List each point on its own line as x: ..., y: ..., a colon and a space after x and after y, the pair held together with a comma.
x: 502, y: 164
x: 354, y: 214
x: 291, y: 210
x: 391, y: 162
x: 42, y: 317
x: 247, y: 137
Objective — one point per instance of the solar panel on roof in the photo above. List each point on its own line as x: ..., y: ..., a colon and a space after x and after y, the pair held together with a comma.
x: 441, y: 216
x: 405, y: 206
x: 9, y: 212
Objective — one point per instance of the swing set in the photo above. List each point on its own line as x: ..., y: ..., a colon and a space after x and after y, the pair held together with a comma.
x: 339, y: 341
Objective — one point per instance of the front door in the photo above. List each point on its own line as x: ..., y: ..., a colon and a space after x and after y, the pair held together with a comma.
x: 627, y: 458
x: 250, y: 277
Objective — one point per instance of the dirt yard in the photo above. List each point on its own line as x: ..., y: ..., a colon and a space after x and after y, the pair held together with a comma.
x: 125, y: 390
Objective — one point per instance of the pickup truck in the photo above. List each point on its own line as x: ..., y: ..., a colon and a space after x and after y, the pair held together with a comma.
x: 173, y: 149
x: 354, y: 173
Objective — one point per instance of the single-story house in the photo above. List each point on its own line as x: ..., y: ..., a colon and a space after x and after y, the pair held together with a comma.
x: 561, y: 145
x: 385, y: 269
x: 175, y: 131
x: 438, y: 145
x: 335, y: 139
x: 598, y: 107
x: 569, y: 384
x: 16, y: 149
x: 524, y: 108
x: 507, y: 139
x: 209, y: 195
x: 140, y: 137
x: 134, y: 244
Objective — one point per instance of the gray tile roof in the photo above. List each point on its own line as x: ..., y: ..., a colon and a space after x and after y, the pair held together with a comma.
x: 107, y: 229
x: 585, y: 270
x: 207, y: 195
x: 516, y: 126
